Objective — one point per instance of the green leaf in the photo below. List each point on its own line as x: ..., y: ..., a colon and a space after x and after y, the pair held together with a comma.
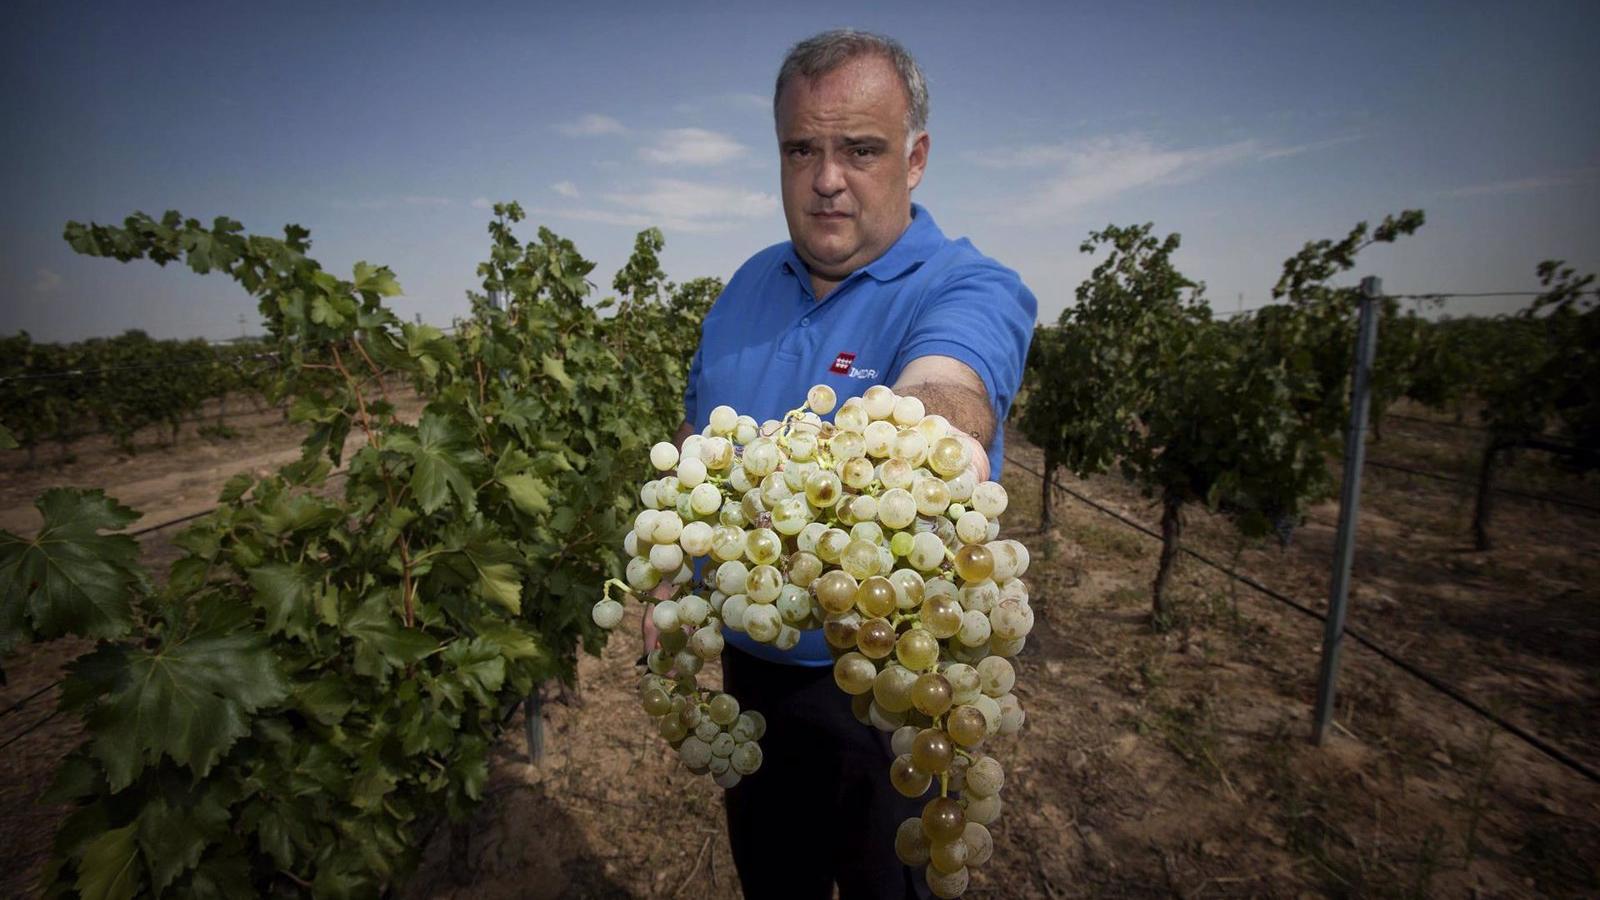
x: 442, y: 457
x: 379, y: 631
x: 531, y: 495
x: 174, y: 839
x: 71, y: 579
x: 109, y: 870
x: 327, y: 700
x: 188, y: 699
x: 376, y: 279
x: 479, y: 667
x: 284, y: 591
x: 556, y: 369
x: 8, y: 441
x: 499, y: 577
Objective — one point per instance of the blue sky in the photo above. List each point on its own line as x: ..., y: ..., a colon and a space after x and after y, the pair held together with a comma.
x: 385, y: 129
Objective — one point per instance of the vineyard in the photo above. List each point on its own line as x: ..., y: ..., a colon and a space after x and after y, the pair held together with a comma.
x: 375, y: 668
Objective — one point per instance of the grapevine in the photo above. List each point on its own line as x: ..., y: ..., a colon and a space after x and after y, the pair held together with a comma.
x: 874, y: 528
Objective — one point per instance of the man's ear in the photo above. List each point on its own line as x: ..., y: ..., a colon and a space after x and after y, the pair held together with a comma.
x: 917, y: 162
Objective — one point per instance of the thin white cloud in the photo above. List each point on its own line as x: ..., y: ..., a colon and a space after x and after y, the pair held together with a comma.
x: 591, y: 125
x: 692, y: 147
x: 416, y: 200
x: 482, y: 203
x: 676, y: 205
x: 46, y: 282
x: 1519, y: 185
x: 566, y: 189
x: 1090, y: 171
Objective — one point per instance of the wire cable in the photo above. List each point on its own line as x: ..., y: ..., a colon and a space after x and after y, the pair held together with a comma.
x: 30, y: 729
x: 1513, y: 492
x: 30, y: 698
x: 1433, y: 681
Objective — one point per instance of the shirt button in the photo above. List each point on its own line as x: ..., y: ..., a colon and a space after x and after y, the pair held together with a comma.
x: 806, y: 321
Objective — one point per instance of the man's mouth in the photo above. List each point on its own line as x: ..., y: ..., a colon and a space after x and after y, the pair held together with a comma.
x: 831, y: 214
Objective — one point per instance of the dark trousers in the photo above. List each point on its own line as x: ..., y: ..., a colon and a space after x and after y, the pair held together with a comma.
x: 820, y: 810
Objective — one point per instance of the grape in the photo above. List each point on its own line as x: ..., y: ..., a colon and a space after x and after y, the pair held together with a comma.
x: 724, y: 709
x: 979, y: 595
x: 909, y: 446
x: 931, y: 694
x: 836, y: 591
x: 947, y: 884
x: 974, y: 562
x: 641, y: 576
x: 763, y: 583
x: 932, y: 751
x: 949, y: 856
x: 931, y: 495
x: 760, y: 723
x: 806, y: 540
x: 910, y: 844
x: 761, y: 458
x: 655, y: 701
x: 943, y: 819
x: 823, y: 489
x: 947, y: 457
x: 666, y: 558
x: 672, y: 728
x: 863, y: 508
x: 907, y: 411
x: 980, y: 844
x: 966, y: 725
x: 668, y: 526
x: 975, y: 629
x: 821, y: 399
x: 686, y: 662
x: 882, y: 719
x: 663, y: 456
x: 971, y: 528
x: 746, y: 758
x: 997, y: 675
x: 731, y: 577
x: 875, y: 638
x: 983, y: 810
x: 723, y: 745
x: 723, y: 420
x: 965, y: 683
x: 900, y: 742
x: 854, y: 673
x: 989, y: 498
x: 917, y: 649
x: 728, y: 780
x: 665, y: 615
x: 985, y: 777
x: 896, y: 473
x: 907, y: 779
x: 961, y: 488
x: 803, y: 568
x: 801, y: 446
x: 891, y: 689
x: 876, y: 597
x: 831, y: 544
x: 788, y: 637
x: 878, y: 401
x: 607, y: 613
x: 879, y: 439
x: 695, y: 753
x: 775, y: 487
x: 840, y: 630
x: 1011, y: 620
x: 794, y: 605
x: 860, y: 559
x: 927, y: 552
x: 707, y: 642
x: 762, y: 622
x: 991, y: 713
x: 1011, y: 714
x: 941, y: 616
x: 733, y: 610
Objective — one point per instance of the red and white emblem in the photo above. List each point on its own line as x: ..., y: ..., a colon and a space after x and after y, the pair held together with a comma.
x: 842, y: 363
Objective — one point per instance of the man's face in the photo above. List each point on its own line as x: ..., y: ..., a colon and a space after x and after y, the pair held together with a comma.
x: 847, y: 177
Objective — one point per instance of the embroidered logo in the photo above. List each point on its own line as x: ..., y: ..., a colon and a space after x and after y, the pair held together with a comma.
x: 841, y: 363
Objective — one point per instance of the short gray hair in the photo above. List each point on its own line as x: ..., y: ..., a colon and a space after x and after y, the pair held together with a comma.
x: 829, y: 50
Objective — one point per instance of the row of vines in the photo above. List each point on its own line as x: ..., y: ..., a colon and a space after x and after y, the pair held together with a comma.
x: 118, y: 386
x: 317, y: 683
x: 1242, y: 416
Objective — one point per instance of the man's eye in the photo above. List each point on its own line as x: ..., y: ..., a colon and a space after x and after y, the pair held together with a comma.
x: 799, y: 152
x: 864, y: 152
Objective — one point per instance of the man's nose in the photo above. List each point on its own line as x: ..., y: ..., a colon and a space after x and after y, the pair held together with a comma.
x: 829, y: 179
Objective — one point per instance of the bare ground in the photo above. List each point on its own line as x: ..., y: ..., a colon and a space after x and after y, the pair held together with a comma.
x: 1151, y: 765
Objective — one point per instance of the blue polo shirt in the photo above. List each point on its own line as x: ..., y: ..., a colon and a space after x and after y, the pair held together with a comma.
x: 768, y: 339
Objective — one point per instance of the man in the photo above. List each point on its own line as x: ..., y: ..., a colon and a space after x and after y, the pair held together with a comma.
x: 866, y: 291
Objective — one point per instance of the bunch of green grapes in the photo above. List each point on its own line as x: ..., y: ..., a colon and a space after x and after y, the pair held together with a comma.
x: 874, y: 528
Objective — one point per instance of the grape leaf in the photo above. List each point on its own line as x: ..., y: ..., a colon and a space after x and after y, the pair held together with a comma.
x: 174, y: 839
x: 71, y: 578
x: 442, y: 457
x: 108, y: 870
x: 189, y: 699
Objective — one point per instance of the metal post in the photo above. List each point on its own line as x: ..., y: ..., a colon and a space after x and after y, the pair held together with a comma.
x: 1344, y: 548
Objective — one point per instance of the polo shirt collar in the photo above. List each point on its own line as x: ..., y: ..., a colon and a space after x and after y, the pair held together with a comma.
x: 915, y: 246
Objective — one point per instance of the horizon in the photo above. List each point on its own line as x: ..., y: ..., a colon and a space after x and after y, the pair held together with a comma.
x: 388, y: 130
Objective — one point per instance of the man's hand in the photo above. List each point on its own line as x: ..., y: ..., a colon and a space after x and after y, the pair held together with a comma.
x: 647, y: 626
x: 948, y: 387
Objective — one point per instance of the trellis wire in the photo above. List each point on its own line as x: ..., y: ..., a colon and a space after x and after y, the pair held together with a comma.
x: 1428, y: 678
